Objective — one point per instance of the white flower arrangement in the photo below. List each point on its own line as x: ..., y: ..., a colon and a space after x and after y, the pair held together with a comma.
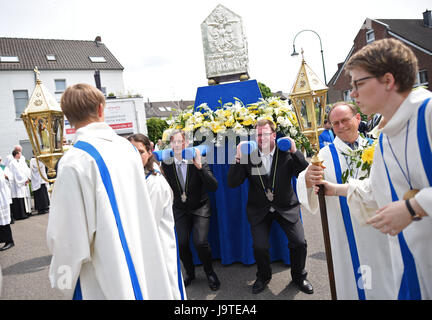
x: 239, y: 119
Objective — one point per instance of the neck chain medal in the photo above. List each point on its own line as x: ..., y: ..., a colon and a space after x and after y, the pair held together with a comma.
x: 183, y: 196
x: 270, y: 192
x: 411, y: 192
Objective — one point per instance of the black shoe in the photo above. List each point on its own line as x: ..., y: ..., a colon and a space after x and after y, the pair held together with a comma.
x: 213, y: 281
x: 188, y: 279
x: 259, y: 285
x: 7, y: 246
x: 305, y: 286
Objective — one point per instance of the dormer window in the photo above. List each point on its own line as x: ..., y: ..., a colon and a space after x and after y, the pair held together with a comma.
x: 370, y: 36
x: 9, y: 59
x: 97, y: 59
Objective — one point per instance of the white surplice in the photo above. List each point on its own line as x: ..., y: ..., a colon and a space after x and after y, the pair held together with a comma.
x: 365, y: 197
x: 35, y: 177
x: 82, y: 233
x: 161, y: 198
x: 19, y: 175
x: 373, y: 247
x: 5, y: 200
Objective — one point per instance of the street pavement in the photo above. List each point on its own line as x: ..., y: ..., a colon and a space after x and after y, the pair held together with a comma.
x: 25, y: 270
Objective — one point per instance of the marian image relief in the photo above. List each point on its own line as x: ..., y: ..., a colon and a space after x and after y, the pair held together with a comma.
x: 224, y: 42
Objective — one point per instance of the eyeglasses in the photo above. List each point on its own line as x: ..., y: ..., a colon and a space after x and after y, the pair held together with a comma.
x: 344, y: 121
x: 354, y: 84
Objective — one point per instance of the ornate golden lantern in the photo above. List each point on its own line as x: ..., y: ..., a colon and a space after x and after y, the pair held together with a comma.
x: 308, y: 96
x: 44, y: 122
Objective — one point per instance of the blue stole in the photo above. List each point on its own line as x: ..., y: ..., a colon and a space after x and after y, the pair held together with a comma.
x: 348, y: 225
x: 410, y: 286
x: 179, y: 275
x: 106, y: 179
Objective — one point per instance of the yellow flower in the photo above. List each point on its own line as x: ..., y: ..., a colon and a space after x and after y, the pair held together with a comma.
x: 367, y: 155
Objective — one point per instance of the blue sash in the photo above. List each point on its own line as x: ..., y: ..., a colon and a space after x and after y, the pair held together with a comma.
x: 410, y: 287
x: 106, y: 179
x: 348, y: 225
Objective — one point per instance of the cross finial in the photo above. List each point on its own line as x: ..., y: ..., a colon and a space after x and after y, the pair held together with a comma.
x: 302, y: 53
x: 37, y: 72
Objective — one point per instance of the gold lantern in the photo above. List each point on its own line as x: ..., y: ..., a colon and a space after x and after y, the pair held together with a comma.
x: 44, y: 122
x: 308, y: 96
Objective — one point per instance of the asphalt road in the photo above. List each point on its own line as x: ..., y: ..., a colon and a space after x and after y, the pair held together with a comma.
x: 25, y: 270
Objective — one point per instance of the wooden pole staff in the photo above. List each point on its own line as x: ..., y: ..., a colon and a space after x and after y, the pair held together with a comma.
x: 316, y: 160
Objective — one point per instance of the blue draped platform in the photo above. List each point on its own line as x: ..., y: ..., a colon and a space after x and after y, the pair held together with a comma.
x: 230, y: 236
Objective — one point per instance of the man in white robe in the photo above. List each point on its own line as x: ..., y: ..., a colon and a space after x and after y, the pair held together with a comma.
x: 361, y: 254
x: 18, y: 179
x: 101, y: 230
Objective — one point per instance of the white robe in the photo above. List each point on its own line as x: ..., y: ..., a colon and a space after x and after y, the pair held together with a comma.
x: 161, y: 198
x: 18, y: 178
x: 373, y: 247
x: 365, y: 197
x: 35, y: 177
x: 82, y: 233
x: 5, y: 200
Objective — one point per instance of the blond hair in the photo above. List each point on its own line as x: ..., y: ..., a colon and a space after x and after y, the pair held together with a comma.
x: 387, y: 55
x: 263, y: 122
x: 80, y: 102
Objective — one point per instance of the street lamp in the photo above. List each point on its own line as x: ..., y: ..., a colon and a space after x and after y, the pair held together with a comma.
x: 322, y: 54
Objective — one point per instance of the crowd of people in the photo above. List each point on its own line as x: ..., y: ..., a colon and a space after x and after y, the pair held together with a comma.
x: 122, y: 223
x: 16, y: 179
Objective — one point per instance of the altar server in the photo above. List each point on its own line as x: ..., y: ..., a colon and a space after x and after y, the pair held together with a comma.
x: 5, y: 216
x: 161, y: 198
x: 101, y: 231
x: 19, y: 179
x: 361, y: 254
x: 39, y: 186
x: 397, y: 199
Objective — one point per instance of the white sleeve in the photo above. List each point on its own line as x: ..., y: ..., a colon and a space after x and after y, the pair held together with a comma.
x: 69, y: 233
x: 360, y: 200
x: 307, y: 198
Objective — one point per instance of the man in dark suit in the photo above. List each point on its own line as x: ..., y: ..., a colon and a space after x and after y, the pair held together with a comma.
x: 190, y: 183
x: 271, y: 197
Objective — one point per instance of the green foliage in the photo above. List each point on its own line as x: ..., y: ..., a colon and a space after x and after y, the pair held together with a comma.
x: 265, y: 91
x: 156, y: 127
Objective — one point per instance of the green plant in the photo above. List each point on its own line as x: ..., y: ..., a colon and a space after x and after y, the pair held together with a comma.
x: 155, y: 128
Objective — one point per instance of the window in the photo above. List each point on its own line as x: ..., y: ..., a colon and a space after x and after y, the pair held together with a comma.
x: 347, y: 95
x: 97, y: 59
x: 370, y: 36
x: 51, y: 57
x: 21, y: 100
x: 9, y: 59
x: 60, y: 85
x: 423, y: 78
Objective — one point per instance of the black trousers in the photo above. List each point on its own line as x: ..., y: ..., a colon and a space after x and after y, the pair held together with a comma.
x: 6, y: 234
x: 185, y: 225
x: 296, y: 244
x: 41, y: 199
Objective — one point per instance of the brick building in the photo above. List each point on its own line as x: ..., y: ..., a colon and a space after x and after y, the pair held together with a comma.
x: 416, y: 33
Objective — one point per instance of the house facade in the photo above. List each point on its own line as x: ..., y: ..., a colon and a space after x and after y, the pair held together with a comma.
x: 415, y: 33
x: 61, y: 63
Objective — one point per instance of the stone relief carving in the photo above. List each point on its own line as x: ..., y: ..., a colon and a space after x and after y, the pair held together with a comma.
x: 225, y: 45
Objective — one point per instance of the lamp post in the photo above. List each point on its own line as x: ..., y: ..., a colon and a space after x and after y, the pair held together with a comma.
x: 294, y: 53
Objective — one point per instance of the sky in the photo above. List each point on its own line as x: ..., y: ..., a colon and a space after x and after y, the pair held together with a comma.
x: 159, y: 42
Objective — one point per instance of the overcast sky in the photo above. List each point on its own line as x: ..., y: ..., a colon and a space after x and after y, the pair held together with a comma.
x: 159, y: 42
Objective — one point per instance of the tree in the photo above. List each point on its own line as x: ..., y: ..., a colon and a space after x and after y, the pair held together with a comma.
x: 265, y: 91
x: 155, y: 128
